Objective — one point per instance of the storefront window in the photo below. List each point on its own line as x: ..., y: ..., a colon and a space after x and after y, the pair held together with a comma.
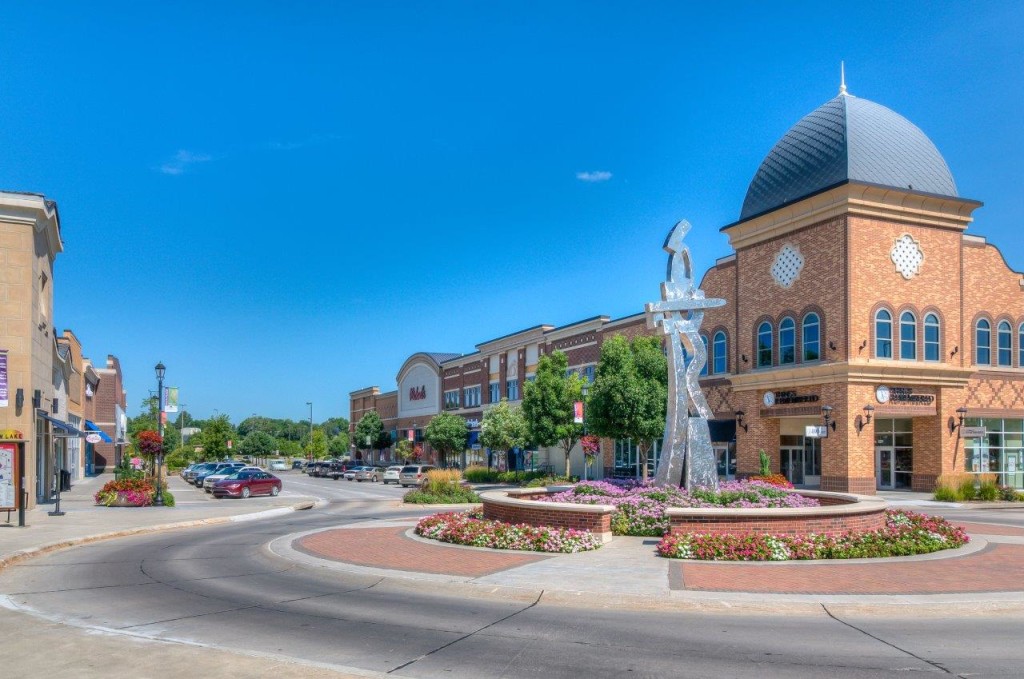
x: 627, y: 459
x: 787, y: 341
x: 999, y: 452
x: 908, y: 336
x: 931, y: 337
x: 812, y: 332
x: 883, y: 334
x: 764, y: 345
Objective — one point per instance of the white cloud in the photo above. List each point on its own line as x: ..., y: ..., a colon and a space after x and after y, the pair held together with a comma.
x: 182, y: 160
x: 597, y: 176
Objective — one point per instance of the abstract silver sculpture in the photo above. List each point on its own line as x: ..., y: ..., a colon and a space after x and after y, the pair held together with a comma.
x: 686, y: 457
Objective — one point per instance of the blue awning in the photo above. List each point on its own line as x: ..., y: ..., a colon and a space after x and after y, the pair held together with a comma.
x: 474, y: 438
x: 89, y: 426
x: 60, y: 424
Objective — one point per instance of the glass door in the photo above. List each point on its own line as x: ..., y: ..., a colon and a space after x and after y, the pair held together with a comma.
x: 791, y: 464
x: 884, y: 468
x: 725, y: 459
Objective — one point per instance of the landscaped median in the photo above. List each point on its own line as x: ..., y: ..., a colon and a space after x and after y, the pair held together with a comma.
x: 743, y: 521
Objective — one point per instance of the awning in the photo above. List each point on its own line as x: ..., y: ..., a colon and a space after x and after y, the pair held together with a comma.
x: 89, y: 426
x: 60, y: 424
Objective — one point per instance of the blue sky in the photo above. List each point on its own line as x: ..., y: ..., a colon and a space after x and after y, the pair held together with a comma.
x: 282, y: 201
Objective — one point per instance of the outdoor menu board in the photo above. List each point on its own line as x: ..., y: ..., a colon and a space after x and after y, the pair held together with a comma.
x: 8, y: 472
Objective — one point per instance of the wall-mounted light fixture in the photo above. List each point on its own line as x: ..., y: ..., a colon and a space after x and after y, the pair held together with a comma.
x: 961, y: 412
x: 862, y: 345
x: 19, y: 398
x: 826, y: 414
x: 55, y: 406
x: 832, y: 345
x: 739, y: 420
x: 954, y: 352
x: 37, y: 398
x: 744, y: 357
x: 864, y: 421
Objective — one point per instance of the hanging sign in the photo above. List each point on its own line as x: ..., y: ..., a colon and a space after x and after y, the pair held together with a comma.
x: 974, y: 432
x: 93, y: 438
x: 816, y: 431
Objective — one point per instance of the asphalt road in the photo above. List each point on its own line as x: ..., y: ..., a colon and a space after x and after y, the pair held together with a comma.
x: 219, y: 586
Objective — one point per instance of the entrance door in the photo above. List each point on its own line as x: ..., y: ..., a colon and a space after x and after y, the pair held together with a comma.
x: 885, y: 470
x: 725, y: 459
x: 791, y: 463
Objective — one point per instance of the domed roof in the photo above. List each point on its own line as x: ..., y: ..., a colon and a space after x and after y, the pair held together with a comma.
x: 847, y: 139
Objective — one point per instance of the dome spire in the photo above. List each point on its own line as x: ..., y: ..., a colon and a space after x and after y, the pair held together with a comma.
x: 842, y: 77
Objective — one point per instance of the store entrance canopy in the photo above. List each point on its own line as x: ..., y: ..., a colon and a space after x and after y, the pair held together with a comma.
x: 89, y: 426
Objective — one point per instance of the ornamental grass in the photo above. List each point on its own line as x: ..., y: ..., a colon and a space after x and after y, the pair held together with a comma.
x: 905, y: 534
x: 640, y: 507
x: 471, y: 529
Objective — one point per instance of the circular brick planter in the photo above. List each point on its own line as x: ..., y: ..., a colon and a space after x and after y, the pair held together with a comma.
x: 838, y: 513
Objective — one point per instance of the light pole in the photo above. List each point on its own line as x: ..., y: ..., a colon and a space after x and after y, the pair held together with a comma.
x: 159, y: 500
x: 310, y: 404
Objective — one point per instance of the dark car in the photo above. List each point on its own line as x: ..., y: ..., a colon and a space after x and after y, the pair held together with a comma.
x: 246, y: 483
x: 297, y: 464
x: 222, y: 468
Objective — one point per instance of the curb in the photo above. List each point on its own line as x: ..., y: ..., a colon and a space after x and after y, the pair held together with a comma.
x: 31, y: 552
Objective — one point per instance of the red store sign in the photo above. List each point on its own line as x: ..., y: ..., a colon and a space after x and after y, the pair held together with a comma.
x: 417, y: 393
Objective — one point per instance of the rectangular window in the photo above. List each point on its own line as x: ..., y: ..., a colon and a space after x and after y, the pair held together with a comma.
x: 512, y: 390
x: 588, y: 373
x: 451, y: 399
x: 471, y: 397
x: 495, y: 394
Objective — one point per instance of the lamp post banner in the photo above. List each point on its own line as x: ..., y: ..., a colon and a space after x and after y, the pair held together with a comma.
x: 170, y: 399
x: 3, y: 379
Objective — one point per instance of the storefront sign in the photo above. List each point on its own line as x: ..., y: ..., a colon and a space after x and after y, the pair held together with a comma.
x: 816, y: 431
x: 417, y: 393
x: 93, y: 438
x: 8, y: 472
x: 3, y: 380
x: 902, y: 396
x: 774, y: 398
x: 473, y: 424
x: 974, y: 432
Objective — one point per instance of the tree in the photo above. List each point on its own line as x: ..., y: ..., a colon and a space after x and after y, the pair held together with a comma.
x: 548, y: 405
x: 257, y: 445
x: 215, y: 436
x: 338, y: 445
x: 447, y: 434
x: 503, y: 428
x: 317, y: 448
x: 368, y: 430
x: 404, y: 450
x: 147, y: 420
x: 628, y: 397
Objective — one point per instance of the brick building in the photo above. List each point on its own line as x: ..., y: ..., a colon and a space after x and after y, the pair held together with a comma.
x: 867, y: 341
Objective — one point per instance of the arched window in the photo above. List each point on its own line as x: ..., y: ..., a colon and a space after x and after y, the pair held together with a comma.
x: 1004, y: 339
x: 931, y: 337
x: 983, y: 343
x: 764, y: 345
x: 704, y: 368
x: 811, y: 337
x: 1020, y: 346
x: 719, y: 366
x: 883, y: 334
x: 908, y: 336
x: 787, y: 341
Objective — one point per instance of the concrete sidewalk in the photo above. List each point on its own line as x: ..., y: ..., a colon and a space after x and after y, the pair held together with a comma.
x: 84, y: 521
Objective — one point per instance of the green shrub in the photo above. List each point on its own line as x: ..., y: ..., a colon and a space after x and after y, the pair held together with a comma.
x: 946, y: 494
x: 480, y: 474
x: 544, y: 481
x: 1009, y: 494
x: 965, y: 489
x: 442, y: 481
x: 457, y: 495
x: 168, y: 498
x: 765, y: 462
x: 988, y: 491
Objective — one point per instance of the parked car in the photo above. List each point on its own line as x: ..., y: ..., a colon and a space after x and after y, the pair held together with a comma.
x: 390, y: 474
x: 190, y: 474
x: 189, y: 468
x: 366, y: 474
x: 414, y: 475
x: 278, y: 466
x: 223, y: 468
x: 298, y: 464
x: 223, y: 474
x: 246, y: 483
x: 351, y: 472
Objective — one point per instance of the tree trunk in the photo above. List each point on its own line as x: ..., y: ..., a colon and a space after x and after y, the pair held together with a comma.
x: 642, y: 451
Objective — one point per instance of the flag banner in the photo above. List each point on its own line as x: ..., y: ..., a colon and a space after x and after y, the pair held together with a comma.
x: 170, y: 399
x: 3, y: 379
x: 577, y: 408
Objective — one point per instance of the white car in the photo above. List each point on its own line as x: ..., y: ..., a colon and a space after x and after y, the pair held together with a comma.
x: 214, y: 478
x: 278, y: 466
x: 391, y: 474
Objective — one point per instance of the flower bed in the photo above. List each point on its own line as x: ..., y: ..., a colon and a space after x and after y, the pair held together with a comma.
x: 640, y: 508
x: 905, y: 534
x: 126, y: 493
x: 469, y: 528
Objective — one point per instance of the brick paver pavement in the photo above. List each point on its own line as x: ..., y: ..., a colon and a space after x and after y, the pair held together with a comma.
x: 391, y: 548
x: 997, y: 568
x: 989, y: 528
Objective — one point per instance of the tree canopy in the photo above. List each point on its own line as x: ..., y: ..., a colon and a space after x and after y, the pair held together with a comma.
x: 503, y: 428
x: 369, y: 428
x: 628, y: 397
x: 447, y: 434
x: 215, y: 436
x: 317, y: 448
x: 548, y: 405
x: 257, y: 444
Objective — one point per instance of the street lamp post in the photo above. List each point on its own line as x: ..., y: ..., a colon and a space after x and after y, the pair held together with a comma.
x: 159, y: 500
x: 310, y: 404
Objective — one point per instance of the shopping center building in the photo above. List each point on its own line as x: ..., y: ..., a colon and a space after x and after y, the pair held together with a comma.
x: 867, y: 342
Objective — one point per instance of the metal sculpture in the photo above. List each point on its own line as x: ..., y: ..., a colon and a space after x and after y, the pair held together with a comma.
x: 687, y: 457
